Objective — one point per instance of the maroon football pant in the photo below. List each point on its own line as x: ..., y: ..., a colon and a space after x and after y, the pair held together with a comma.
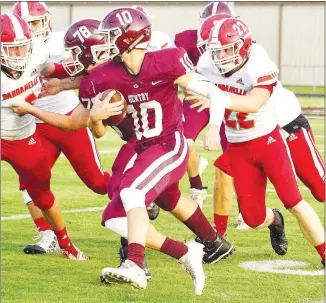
x: 156, y: 172
x: 29, y: 161
x: 79, y: 148
x: 124, y: 160
x: 195, y: 122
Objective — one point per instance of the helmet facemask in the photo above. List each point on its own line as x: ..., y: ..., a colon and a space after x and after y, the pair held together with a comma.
x: 229, y: 62
x: 12, y: 61
x: 109, y: 49
x: 45, y: 29
x: 72, y: 65
x: 202, y: 46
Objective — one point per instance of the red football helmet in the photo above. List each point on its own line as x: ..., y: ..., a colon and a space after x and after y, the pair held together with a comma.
x: 215, y: 8
x: 35, y: 11
x: 205, y: 29
x: 229, y: 44
x: 124, y: 29
x: 16, y: 42
x: 79, y: 41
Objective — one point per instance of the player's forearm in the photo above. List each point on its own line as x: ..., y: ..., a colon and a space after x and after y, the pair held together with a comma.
x: 250, y: 103
x: 55, y: 70
x: 57, y: 120
x: 97, y: 128
x: 71, y: 83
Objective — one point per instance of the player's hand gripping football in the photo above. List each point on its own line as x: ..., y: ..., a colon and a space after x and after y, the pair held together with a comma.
x: 211, y: 139
x: 103, y: 109
x: 197, y: 101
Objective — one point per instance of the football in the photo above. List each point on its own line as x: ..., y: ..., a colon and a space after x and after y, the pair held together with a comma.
x: 115, y: 120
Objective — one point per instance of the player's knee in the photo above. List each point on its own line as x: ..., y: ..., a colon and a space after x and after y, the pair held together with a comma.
x: 319, y: 193
x: 99, y: 185
x: 132, y: 198
x: 254, y: 219
x: 44, y: 200
x: 168, y: 201
x: 290, y: 202
x: 118, y: 226
x: 165, y: 204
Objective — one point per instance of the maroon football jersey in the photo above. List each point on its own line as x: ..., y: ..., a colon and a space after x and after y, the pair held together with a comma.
x: 93, y: 84
x: 188, y: 40
x: 152, y: 97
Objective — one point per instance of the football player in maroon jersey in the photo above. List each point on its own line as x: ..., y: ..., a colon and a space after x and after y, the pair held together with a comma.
x: 149, y: 82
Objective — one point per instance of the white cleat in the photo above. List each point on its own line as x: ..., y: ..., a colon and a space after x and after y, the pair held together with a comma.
x: 241, y: 223
x: 128, y: 272
x: 198, y: 195
x: 47, y: 243
x: 203, y: 162
x: 192, y: 263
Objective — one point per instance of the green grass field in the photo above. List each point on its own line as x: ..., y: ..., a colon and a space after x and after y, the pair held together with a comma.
x: 51, y: 278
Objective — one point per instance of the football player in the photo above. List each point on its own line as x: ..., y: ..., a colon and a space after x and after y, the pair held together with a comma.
x: 195, y: 122
x: 126, y: 155
x: 21, y: 144
x: 148, y: 82
x: 223, y: 183
x: 244, y: 71
x: 79, y: 147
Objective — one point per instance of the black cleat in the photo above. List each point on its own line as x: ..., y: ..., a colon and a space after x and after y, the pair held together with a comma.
x: 153, y: 211
x: 216, y: 250
x: 323, y: 262
x: 123, y: 253
x: 277, y: 234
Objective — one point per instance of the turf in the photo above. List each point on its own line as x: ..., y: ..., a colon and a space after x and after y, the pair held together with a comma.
x: 51, y: 278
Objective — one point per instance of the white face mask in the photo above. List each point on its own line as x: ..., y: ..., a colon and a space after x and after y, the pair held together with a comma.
x: 15, y: 55
x: 226, y: 58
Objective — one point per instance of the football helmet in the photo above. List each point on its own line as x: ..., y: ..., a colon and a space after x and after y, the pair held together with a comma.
x: 123, y: 29
x: 16, y: 42
x: 205, y: 29
x: 35, y: 11
x: 229, y: 45
x: 215, y: 8
x: 143, y: 10
x: 79, y: 40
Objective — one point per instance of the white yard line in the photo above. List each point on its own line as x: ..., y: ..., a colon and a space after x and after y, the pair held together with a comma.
x: 95, y: 209
x: 81, y: 210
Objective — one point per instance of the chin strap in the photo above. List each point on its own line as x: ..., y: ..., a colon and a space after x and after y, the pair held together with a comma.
x: 133, y: 45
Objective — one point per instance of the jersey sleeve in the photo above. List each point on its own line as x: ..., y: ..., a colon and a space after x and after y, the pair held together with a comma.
x: 188, y: 40
x: 174, y: 63
x: 264, y: 71
x: 87, y: 92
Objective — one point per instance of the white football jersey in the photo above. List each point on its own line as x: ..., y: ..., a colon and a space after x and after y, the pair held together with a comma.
x: 13, y: 126
x: 286, y: 105
x: 53, y: 51
x: 159, y: 40
x: 258, y: 70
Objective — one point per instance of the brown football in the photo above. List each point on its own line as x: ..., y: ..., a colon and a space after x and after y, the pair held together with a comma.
x: 115, y: 120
